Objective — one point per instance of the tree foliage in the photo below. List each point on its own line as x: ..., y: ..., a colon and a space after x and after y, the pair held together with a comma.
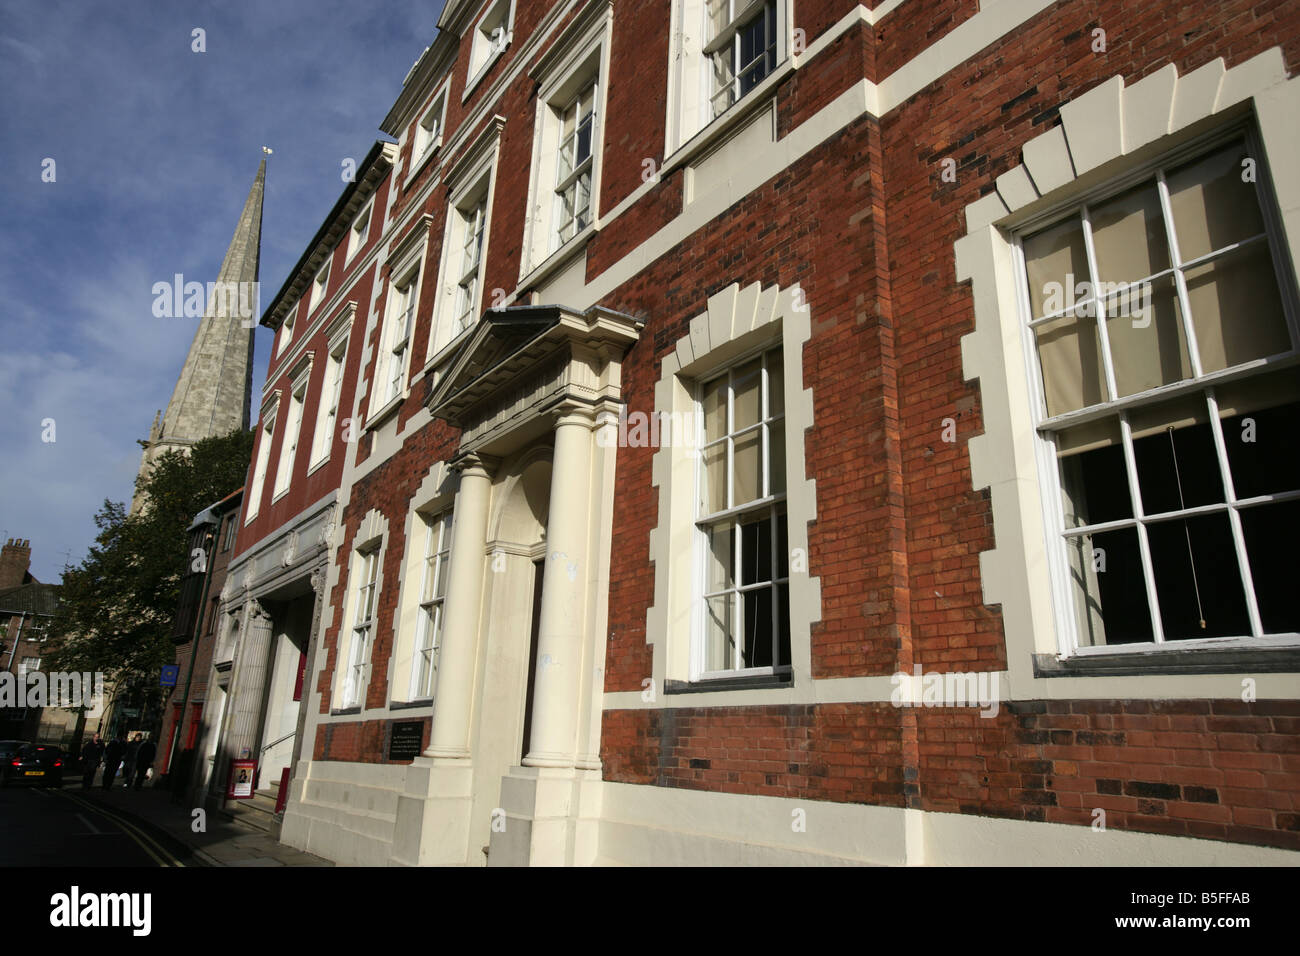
x: 116, y: 608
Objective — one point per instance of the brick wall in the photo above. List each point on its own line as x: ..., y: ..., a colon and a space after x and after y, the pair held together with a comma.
x: 866, y: 226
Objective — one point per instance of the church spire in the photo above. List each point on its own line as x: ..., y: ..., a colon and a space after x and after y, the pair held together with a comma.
x: 213, y: 393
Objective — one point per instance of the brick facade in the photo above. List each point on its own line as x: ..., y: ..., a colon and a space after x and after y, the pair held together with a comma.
x: 865, y: 224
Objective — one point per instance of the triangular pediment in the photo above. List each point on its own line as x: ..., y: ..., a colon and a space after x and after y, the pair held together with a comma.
x: 511, y: 347
x: 503, y: 334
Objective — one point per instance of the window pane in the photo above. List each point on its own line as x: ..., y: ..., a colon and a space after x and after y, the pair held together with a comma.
x: 718, y: 573
x: 1177, y: 464
x: 1069, y: 350
x: 775, y: 383
x: 747, y: 482
x: 1147, y: 344
x: 568, y: 124
x: 1094, y: 483
x: 1128, y: 235
x: 1055, y: 256
x: 1212, y: 206
x: 1236, y: 310
x: 429, y: 580
x: 776, y: 456
x: 1271, y: 532
x: 719, y: 14
x: 715, y: 409
x: 756, y: 550
x: 758, y: 628
x: 747, y: 383
x: 1198, y: 582
x: 782, y: 546
x: 1109, y: 588
x: 1261, y: 447
x: 566, y: 161
x: 443, y: 566
x: 583, y: 149
x: 582, y: 204
x: 713, y: 485
x: 719, y: 648
x: 783, y: 625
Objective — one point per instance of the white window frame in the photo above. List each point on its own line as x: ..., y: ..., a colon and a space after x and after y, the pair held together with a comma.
x: 576, y: 62
x: 359, y: 232
x: 690, y: 85
x: 263, y: 461
x: 392, y: 367
x: 292, y: 433
x: 429, y: 131
x: 327, y: 410
x: 774, y: 504
x: 741, y: 14
x: 474, y: 185
x: 1200, y: 383
x: 318, y: 284
x: 361, y: 626
x: 430, y: 610
x: 286, y: 329
x: 738, y: 322
x: 491, y: 36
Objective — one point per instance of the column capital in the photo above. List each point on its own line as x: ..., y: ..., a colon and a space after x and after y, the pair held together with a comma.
x: 474, y: 463
x: 258, y: 611
x: 572, y: 413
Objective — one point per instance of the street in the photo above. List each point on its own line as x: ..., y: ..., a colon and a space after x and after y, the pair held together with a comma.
x: 61, y: 827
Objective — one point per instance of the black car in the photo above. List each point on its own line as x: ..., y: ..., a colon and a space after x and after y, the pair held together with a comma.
x: 10, y: 747
x: 34, y: 763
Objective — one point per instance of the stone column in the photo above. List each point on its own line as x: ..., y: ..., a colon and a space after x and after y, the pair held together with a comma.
x: 559, y: 643
x: 249, y: 687
x: 454, y: 693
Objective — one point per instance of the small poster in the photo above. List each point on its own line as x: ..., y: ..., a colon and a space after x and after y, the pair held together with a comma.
x: 169, y: 673
x: 243, y: 778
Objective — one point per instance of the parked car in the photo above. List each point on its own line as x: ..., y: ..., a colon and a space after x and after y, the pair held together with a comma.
x: 10, y: 747
x: 34, y: 763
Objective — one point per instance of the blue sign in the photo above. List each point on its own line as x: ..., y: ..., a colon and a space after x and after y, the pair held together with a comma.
x: 169, y: 673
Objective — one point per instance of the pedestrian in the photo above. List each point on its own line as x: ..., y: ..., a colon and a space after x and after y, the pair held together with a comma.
x: 91, y: 755
x: 128, y: 762
x: 143, y: 761
x: 113, y: 754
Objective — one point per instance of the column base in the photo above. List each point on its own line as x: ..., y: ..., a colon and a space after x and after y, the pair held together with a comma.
x: 551, y: 818
x: 432, y: 827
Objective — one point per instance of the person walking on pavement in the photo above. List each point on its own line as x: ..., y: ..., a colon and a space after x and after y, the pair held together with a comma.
x: 113, y: 754
x: 91, y: 755
x: 128, y: 763
x: 143, y: 761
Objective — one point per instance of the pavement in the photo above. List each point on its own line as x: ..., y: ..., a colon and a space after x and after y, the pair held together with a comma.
x: 210, y: 838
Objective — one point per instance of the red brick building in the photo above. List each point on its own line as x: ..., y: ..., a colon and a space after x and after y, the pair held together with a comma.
x: 269, y: 599
x: 181, y: 745
x: 794, y: 431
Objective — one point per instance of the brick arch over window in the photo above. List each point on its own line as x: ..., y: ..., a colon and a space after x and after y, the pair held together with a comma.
x: 1103, y: 132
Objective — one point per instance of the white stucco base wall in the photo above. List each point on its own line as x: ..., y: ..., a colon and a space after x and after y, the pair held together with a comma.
x: 658, y: 826
x: 345, y: 812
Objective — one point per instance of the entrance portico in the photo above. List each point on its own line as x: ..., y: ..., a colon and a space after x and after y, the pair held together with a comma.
x: 528, y: 392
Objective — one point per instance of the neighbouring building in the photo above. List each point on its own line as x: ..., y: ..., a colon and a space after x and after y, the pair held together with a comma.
x: 270, y: 598
x: 27, y: 609
x: 791, y: 431
x: 184, y: 753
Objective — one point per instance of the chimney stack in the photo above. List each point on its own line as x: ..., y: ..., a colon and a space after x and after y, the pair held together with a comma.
x: 15, y: 559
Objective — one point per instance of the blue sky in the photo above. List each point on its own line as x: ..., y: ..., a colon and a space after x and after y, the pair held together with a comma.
x: 155, y: 147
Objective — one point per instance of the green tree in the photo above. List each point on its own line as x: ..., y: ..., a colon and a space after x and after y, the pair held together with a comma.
x: 116, y: 608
